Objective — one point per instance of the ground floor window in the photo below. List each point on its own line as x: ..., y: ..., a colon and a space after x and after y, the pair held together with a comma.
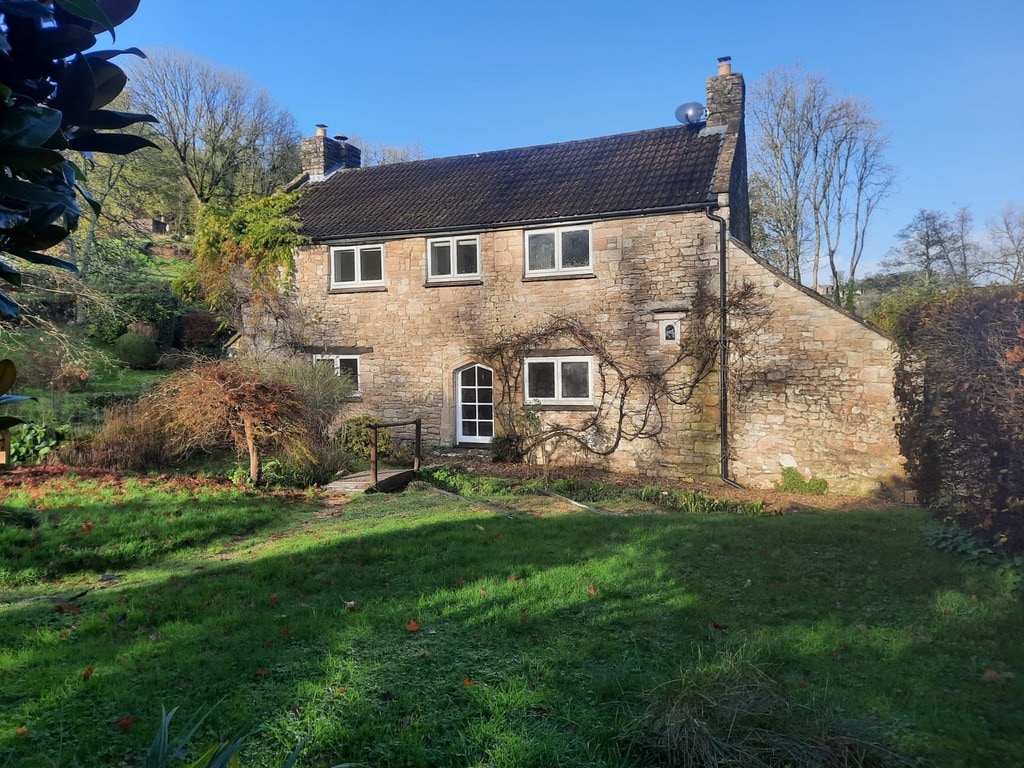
x: 342, y: 365
x: 559, y: 380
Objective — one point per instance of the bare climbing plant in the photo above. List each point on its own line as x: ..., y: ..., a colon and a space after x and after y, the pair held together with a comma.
x: 631, y: 391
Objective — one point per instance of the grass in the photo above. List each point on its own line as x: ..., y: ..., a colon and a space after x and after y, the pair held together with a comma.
x: 419, y: 630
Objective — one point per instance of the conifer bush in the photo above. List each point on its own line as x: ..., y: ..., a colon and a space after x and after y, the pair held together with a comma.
x: 136, y: 351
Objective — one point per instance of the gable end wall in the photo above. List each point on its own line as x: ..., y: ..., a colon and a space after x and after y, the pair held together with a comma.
x: 818, y: 397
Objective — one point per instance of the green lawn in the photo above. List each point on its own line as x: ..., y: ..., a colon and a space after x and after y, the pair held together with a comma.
x: 419, y: 630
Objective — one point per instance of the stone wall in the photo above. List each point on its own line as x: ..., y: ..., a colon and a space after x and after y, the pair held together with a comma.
x: 818, y: 396
x: 821, y: 398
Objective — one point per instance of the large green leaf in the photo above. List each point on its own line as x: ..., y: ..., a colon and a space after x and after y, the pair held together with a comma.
x: 31, y: 9
x: 7, y: 306
x: 43, y: 236
x: 29, y: 192
x: 29, y: 158
x: 9, y: 274
x: 104, y: 14
x: 95, y: 204
x: 43, y: 258
x: 30, y: 125
x: 76, y: 91
x: 90, y: 11
x: 110, y: 143
x: 108, y: 119
x: 64, y: 41
x: 11, y: 217
x: 8, y: 375
x: 109, y: 54
x: 109, y: 81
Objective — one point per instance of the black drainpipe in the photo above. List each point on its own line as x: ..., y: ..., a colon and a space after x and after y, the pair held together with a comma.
x: 723, y: 350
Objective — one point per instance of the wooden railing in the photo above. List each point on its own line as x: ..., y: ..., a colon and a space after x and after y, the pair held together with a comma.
x: 417, y: 451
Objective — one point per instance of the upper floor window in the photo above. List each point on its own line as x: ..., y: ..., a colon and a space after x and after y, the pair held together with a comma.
x: 453, y: 258
x: 356, y: 266
x: 559, y: 380
x: 565, y: 250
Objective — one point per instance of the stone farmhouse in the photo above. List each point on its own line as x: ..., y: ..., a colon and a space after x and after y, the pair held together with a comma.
x: 579, y: 293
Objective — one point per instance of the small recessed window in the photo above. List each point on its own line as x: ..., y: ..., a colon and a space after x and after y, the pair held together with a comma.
x: 669, y: 330
x: 559, y: 380
x: 453, y: 258
x: 552, y: 252
x: 357, y: 266
x: 342, y: 365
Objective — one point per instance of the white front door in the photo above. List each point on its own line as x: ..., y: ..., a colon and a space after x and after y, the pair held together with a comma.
x: 474, y: 410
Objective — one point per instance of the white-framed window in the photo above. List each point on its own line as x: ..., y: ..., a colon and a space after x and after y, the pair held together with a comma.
x: 347, y: 365
x: 559, y: 380
x: 562, y: 250
x: 357, y: 266
x: 453, y: 258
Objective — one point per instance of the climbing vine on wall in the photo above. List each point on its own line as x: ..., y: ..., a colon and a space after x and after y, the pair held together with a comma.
x: 631, y: 391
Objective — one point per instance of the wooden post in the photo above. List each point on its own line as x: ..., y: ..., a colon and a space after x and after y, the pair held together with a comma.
x: 373, y: 455
x: 417, y: 451
x: 5, y: 447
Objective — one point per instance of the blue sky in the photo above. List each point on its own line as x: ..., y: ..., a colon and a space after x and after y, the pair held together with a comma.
x: 946, y: 78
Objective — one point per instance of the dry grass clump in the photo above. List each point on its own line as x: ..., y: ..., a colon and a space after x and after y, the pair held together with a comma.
x: 731, y: 714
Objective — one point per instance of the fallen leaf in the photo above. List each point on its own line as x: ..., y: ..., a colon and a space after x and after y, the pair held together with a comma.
x: 273, y: 599
x: 126, y: 723
x: 21, y: 730
x: 87, y: 674
x: 261, y: 672
x: 412, y: 626
x: 591, y: 591
x: 350, y: 606
x: 992, y: 675
x: 467, y: 681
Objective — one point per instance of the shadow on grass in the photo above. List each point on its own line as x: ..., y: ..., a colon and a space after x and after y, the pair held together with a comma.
x: 417, y: 630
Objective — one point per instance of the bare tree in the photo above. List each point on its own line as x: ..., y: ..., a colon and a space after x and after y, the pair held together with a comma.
x: 230, y: 138
x: 380, y: 153
x: 819, y: 173
x: 1004, y: 257
x: 939, y: 247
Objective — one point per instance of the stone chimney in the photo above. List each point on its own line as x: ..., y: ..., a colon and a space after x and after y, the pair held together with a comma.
x: 322, y: 155
x: 725, y: 103
x: 726, y: 94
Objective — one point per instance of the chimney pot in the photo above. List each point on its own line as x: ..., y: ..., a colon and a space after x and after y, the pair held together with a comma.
x: 725, y: 65
x: 321, y: 130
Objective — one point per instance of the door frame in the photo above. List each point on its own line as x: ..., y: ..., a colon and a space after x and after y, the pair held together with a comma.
x: 460, y: 438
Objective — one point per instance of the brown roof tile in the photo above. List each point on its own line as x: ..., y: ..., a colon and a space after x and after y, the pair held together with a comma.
x: 621, y: 174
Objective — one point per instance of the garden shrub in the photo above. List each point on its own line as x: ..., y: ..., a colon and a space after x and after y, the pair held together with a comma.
x: 200, y: 332
x: 323, y: 397
x: 33, y: 443
x: 961, y: 428
x: 507, y: 449
x: 136, y: 351
x: 794, y: 482
x: 356, y: 437
x: 48, y: 367
x: 159, y: 309
x: 130, y: 441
